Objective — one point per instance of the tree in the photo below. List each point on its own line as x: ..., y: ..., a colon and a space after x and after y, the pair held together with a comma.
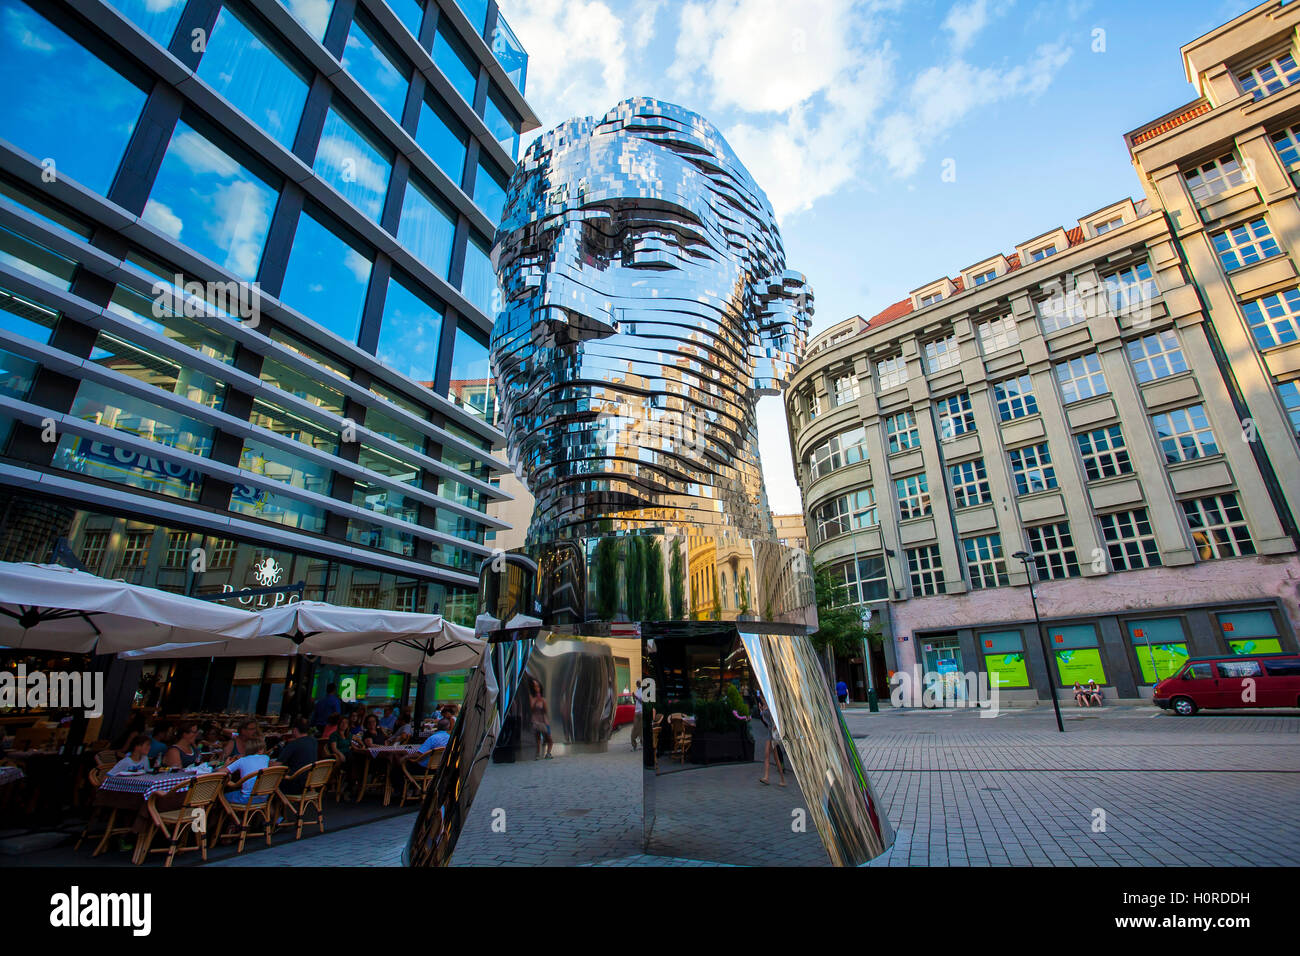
x: 677, y: 581
x: 838, y: 622
x: 634, y: 574
x: 655, y: 607
x: 607, y: 578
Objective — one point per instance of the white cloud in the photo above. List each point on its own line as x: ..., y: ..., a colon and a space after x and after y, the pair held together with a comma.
x: 24, y: 25
x: 578, y: 56
x: 240, y: 217
x: 161, y: 217
x: 201, y: 156
x: 763, y: 56
x: 965, y: 21
x: 942, y: 96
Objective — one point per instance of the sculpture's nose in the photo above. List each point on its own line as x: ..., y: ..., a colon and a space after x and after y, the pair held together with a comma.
x: 569, y: 304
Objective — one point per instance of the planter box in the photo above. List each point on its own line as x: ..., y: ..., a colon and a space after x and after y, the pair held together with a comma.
x: 734, y: 747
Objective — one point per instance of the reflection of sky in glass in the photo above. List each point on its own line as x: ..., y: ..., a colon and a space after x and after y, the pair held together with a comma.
x: 490, y: 191
x: 326, y: 279
x: 314, y: 15
x: 480, y: 282
x: 240, y: 67
x: 408, y: 338
x: 206, y: 200
x: 442, y: 136
x: 426, y: 227
x: 476, y: 12
x: 352, y: 166
x: 453, y: 59
x: 158, y: 18
x: 372, y: 68
x: 23, y: 317
x: 81, y: 113
x: 410, y: 12
x: 500, y: 121
x: 16, y: 375
x: 469, y: 362
x: 510, y: 52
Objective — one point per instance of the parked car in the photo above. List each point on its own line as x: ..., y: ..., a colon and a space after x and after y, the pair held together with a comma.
x: 625, y: 711
x: 1231, y: 680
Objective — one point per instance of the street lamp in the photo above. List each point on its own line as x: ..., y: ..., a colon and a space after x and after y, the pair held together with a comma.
x: 1023, y: 557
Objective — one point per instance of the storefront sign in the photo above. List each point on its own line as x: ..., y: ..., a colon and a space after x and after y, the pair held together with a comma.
x: 267, y: 574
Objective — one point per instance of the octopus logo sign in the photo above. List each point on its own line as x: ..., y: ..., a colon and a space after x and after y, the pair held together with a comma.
x: 267, y: 573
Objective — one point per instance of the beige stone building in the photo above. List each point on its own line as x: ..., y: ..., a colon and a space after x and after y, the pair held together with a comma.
x: 791, y: 530
x: 1116, y: 397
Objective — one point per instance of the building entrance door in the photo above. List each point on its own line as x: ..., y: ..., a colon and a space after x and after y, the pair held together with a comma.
x: 941, y: 657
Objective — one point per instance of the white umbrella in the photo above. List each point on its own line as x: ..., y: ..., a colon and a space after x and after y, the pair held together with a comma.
x: 50, y: 607
x: 398, y: 640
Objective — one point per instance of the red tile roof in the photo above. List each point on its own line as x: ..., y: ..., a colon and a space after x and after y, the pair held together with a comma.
x: 1167, y: 122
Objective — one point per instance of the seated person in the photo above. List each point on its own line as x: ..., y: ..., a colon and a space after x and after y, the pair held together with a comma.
x: 242, y: 770
x: 436, y: 740
x: 405, y: 728
x: 1080, y: 695
x: 185, y: 751
x: 372, y: 735
x: 389, y: 721
x: 299, y: 751
x: 1094, y: 694
x: 337, y: 736
x: 234, y: 748
x: 162, y: 732
x: 137, y: 757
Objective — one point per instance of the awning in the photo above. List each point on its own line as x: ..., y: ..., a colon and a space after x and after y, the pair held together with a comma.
x: 52, y: 608
x: 345, y: 636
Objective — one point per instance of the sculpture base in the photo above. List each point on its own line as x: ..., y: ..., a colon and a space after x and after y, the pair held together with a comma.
x: 691, y: 789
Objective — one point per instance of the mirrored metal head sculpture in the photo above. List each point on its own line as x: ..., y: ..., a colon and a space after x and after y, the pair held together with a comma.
x: 647, y: 307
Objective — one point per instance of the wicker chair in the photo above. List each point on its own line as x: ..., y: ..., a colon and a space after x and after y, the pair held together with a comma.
x: 200, y: 797
x: 656, y: 725
x: 681, y: 737
x: 416, y: 780
x: 266, y: 784
x: 316, y: 781
x: 97, y: 776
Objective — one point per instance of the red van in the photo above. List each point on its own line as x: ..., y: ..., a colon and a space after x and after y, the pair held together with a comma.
x: 1231, y: 680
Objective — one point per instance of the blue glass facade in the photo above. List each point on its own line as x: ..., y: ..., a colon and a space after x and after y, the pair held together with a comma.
x: 375, y: 293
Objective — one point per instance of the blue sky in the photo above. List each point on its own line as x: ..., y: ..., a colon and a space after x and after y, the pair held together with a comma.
x: 848, y: 113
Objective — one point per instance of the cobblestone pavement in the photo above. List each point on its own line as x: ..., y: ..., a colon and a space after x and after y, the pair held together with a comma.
x: 959, y: 789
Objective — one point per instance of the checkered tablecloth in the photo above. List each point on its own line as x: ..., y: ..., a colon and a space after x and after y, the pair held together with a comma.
x: 10, y: 775
x: 400, y: 749
x: 143, y: 783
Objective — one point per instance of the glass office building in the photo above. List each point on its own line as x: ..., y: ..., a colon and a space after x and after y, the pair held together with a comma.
x: 242, y: 289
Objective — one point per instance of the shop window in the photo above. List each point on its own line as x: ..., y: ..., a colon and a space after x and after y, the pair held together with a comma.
x: 1250, y: 632
x: 1160, y: 646
x: 1004, y: 659
x: 1077, y: 653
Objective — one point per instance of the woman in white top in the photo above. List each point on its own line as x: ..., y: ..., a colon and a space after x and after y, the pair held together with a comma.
x: 137, y: 757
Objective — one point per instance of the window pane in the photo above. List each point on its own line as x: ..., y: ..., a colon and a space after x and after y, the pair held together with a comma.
x: 378, y: 71
x: 471, y: 376
x: 503, y: 122
x: 410, y: 12
x: 510, y: 53
x: 408, y: 338
x: 82, y: 112
x: 349, y: 163
x: 427, y: 226
x: 246, y: 65
x: 314, y: 15
x: 24, y: 317
x: 476, y: 12
x: 480, y: 279
x: 490, y: 190
x: 326, y: 279
x: 442, y: 136
x: 205, y: 199
x: 456, y: 62
x: 158, y: 18
x: 113, y: 409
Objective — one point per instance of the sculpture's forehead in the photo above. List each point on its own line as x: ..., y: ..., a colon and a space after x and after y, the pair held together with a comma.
x: 622, y: 169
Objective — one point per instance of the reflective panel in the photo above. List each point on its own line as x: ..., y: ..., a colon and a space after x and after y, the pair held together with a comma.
x: 326, y: 278
x: 490, y: 190
x: 83, y: 111
x: 250, y: 67
x: 427, y: 226
x: 205, y: 199
x: 456, y: 62
x: 442, y: 136
x: 157, y: 18
x: 480, y: 283
x: 352, y: 163
x: 647, y: 306
x: 381, y: 71
x: 314, y: 15
x: 472, y: 386
x: 408, y: 337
